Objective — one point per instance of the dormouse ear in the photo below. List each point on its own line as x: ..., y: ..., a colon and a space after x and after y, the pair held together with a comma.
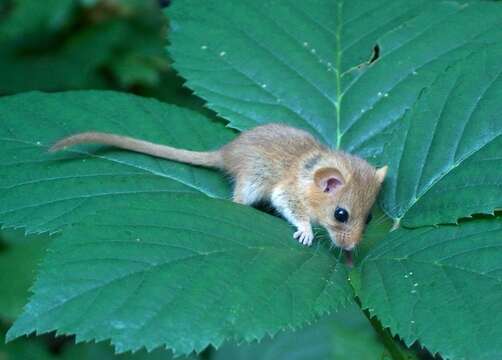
x: 380, y: 173
x: 328, y: 179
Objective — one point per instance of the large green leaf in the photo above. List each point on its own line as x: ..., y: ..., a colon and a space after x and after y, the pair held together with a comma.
x: 43, y: 191
x: 306, y: 63
x: 441, y: 286
x: 346, y: 335
x: 183, y: 273
x: 445, y: 157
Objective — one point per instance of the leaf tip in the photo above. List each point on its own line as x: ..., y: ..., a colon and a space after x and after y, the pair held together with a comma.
x: 12, y: 334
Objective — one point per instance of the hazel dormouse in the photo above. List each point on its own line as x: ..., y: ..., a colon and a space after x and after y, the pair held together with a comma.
x: 305, y: 181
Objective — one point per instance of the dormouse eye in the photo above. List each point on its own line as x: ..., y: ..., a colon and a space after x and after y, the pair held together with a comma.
x: 341, y: 215
x: 368, y: 219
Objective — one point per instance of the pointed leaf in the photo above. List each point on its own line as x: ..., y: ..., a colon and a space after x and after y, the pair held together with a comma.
x: 440, y: 286
x: 182, y: 274
x: 44, y: 191
x: 307, y: 63
x: 445, y: 159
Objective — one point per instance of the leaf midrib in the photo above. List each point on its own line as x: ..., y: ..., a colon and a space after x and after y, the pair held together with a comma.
x: 284, y: 63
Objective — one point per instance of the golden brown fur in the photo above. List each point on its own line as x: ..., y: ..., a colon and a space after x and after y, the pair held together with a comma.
x: 304, y: 180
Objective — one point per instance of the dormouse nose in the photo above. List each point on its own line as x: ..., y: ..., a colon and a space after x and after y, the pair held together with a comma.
x: 349, y: 242
x: 342, y: 240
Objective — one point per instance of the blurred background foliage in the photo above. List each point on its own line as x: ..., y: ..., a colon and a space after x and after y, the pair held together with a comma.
x: 56, y: 45
x: 60, y: 45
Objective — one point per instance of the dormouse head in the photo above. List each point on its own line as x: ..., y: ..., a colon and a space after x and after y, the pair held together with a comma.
x: 342, y: 193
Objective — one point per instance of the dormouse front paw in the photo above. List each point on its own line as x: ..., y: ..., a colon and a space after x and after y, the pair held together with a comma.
x: 304, y: 235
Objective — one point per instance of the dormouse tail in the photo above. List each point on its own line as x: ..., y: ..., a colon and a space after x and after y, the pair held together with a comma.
x: 207, y: 159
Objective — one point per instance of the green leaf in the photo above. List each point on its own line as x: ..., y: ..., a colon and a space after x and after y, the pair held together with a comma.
x: 441, y: 286
x: 307, y: 63
x: 18, y: 263
x: 182, y: 274
x: 445, y: 158
x: 345, y: 335
x: 44, y: 191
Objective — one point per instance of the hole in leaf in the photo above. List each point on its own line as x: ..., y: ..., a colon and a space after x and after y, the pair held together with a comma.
x: 164, y: 3
x: 375, y: 55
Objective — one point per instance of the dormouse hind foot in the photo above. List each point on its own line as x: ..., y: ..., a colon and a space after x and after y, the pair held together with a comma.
x: 304, y: 234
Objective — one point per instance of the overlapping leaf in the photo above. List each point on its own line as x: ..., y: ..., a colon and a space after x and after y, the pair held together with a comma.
x: 441, y: 286
x: 180, y: 272
x: 346, y: 335
x: 43, y: 191
x: 445, y: 158
x: 307, y: 63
